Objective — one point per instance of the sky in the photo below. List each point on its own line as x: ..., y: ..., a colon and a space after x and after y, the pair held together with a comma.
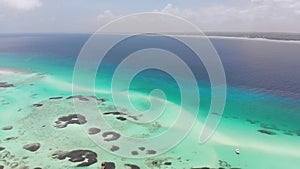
x: 86, y: 16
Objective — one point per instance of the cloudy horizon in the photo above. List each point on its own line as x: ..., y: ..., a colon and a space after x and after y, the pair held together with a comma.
x: 46, y: 16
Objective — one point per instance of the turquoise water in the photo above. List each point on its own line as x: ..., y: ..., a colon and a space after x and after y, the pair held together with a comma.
x: 248, y: 112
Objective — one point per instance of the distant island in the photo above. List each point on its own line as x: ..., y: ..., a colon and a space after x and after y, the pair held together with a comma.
x: 283, y: 36
x: 256, y: 35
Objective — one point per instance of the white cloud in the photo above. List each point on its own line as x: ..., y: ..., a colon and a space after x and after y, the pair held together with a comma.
x: 106, y: 17
x: 257, y: 15
x: 21, y: 4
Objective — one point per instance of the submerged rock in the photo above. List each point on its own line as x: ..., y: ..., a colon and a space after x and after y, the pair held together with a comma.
x: 2, y: 148
x: 7, y: 127
x: 32, y: 147
x: 37, y: 105
x: 11, y: 138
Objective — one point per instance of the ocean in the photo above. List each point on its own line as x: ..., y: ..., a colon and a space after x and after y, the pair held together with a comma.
x: 259, y: 127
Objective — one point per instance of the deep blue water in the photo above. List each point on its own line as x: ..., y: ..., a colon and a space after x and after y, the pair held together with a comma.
x: 259, y: 66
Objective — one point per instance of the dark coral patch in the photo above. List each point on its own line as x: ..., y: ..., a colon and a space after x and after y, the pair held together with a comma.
x: 150, y: 152
x: 102, y: 100
x: 108, y: 165
x: 142, y: 148
x: 167, y: 163
x: 86, y: 157
x: 224, y: 164
x: 251, y: 121
x: 111, y: 136
x: 121, y: 118
x: 215, y: 113
x: 64, y: 121
x: 131, y: 166
x: 134, y: 153
x: 11, y: 138
x: 267, y: 132
x: 288, y: 133
x: 114, y: 148
x: 55, y: 98
x: 93, y: 131
x: 114, y: 113
x: 80, y: 97
x: 32, y: 147
x: 2, y: 148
